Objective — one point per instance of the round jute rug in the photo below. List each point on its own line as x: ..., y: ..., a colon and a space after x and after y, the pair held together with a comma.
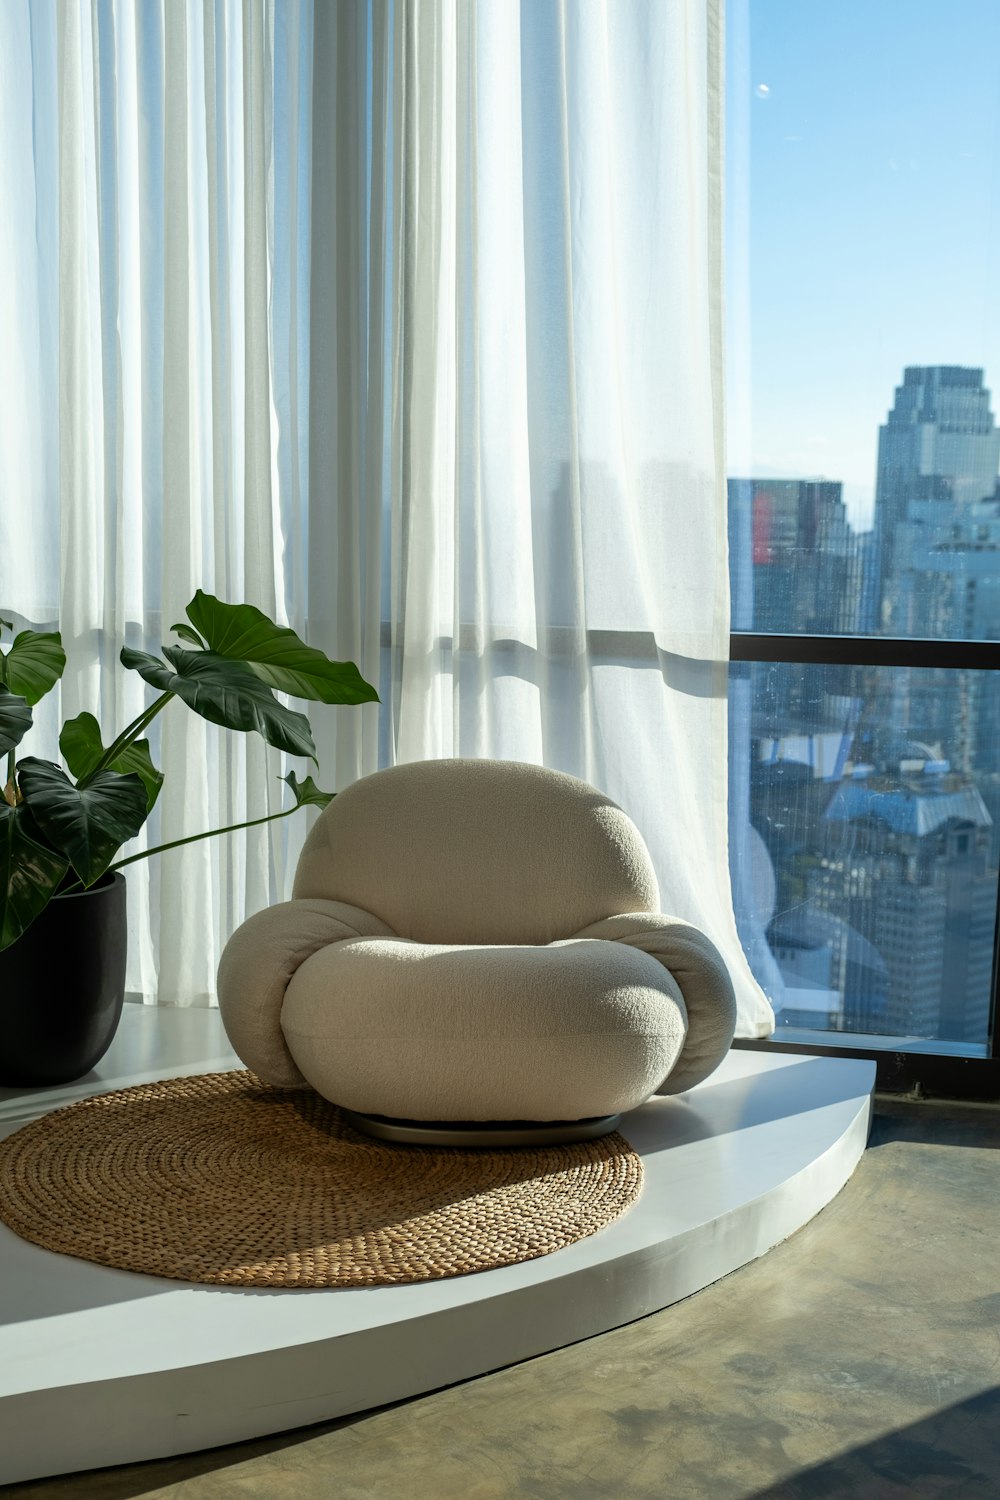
x: 220, y: 1178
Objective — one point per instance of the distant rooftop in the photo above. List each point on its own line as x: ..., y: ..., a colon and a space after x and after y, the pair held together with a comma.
x: 954, y: 375
x: 912, y: 808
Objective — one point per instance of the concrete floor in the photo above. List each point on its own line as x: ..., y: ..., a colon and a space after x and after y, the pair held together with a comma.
x: 860, y: 1359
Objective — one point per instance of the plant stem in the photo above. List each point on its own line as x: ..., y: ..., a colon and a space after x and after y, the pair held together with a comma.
x: 194, y: 837
x: 132, y: 732
x: 176, y: 843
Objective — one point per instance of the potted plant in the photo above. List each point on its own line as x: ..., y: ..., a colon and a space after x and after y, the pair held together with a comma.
x: 62, y: 894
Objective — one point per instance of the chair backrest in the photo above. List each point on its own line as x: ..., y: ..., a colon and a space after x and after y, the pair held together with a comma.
x: 478, y: 851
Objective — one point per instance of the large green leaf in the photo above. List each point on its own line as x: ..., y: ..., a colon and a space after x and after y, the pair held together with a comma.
x: 241, y: 632
x: 30, y: 872
x: 187, y: 634
x: 15, y: 719
x: 33, y: 664
x: 306, y: 792
x: 224, y: 692
x: 80, y: 743
x: 89, y: 826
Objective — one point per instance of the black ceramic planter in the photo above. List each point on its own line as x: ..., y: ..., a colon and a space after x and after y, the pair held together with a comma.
x: 61, y: 987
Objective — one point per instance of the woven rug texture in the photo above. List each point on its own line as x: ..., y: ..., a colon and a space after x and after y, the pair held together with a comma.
x: 220, y: 1178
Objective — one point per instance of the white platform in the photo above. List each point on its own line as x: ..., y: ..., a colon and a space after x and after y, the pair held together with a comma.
x: 103, y: 1367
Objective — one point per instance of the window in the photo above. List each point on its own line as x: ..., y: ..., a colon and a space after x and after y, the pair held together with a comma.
x: 864, y: 504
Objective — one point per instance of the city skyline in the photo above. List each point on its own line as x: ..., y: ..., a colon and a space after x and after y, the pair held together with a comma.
x: 978, y: 453
x: 876, y: 791
x: 863, y: 223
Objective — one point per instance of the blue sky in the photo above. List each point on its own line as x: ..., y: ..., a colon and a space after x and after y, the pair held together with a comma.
x: 863, y: 220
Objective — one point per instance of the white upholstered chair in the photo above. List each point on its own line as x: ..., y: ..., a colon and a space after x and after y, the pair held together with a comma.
x: 476, y: 941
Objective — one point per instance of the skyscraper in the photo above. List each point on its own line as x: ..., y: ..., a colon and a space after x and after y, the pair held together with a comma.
x: 921, y: 842
x: 935, y: 499
x: 905, y: 863
x: 936, y: 551
x: 794, y: 549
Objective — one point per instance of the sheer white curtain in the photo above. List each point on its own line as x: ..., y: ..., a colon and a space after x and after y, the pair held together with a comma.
x: 154, y: 162
x: 400, y: 319
x: 517, y: 367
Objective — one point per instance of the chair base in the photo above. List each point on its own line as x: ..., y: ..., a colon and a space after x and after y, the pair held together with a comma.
x: 482, y: 1135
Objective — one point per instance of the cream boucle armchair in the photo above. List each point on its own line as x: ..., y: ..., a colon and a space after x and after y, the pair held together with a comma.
x: 476, y: 940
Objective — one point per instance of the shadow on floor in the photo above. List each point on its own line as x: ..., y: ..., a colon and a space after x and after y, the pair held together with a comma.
x: 926, y: 1124
x: 951, y: 1455
x: 161, y: 1475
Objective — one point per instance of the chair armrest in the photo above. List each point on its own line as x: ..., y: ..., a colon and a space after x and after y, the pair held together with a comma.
x: 696, y: 964
x: 257, y: 964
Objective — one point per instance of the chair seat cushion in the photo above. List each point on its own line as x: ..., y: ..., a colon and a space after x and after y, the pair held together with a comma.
x: 422, y: 1031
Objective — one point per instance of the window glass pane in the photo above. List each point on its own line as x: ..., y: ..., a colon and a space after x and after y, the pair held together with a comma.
x: 864, y: 316
x: 870, y: 862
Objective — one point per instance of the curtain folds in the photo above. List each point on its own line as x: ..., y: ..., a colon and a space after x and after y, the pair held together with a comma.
x: 532, y: 331
x: 154, y: 164
x: 402, y: 320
